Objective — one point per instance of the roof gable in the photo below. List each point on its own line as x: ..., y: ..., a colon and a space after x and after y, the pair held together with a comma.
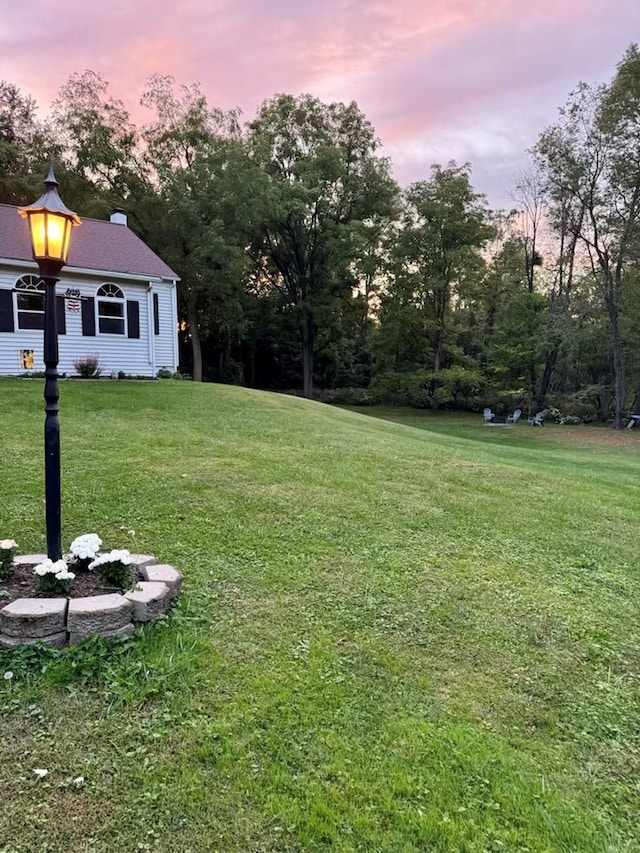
x: 95, y: 245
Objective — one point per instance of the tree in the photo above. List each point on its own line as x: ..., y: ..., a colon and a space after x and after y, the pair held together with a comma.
x: 435, y: 256
x: 529, y: 194
x: 100, y: 142
x: 196, y: 162
x: 592, y: 157
x: 21, y: 146
x: 322, y: 179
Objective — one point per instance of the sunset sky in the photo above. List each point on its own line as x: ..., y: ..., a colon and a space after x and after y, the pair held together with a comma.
x: 469, y: 80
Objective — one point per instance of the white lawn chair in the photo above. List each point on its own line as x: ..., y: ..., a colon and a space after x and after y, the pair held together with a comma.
x: 538, y: 420
x: 515, y: 417
x: 487, y: 414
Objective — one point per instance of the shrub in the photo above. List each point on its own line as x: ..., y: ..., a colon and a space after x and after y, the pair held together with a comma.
x: 84, y: 549
x: 88, y: 366
x: 167, y: 373
x: 401, y: 389
x: 8, y: 550
x: 53, y: 578
x: 116, y: 568
x: 585, y: 404
x: 552, y: 415
x: 419, y: 398
x: 346, y: 396
x: 571, y: 420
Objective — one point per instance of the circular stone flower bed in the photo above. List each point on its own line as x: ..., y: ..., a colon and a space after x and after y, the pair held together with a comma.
x: 23, y: 583
x: 91, y: 608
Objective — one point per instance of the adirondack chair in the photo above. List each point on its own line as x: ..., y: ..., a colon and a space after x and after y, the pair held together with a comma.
x: 538, y: 420
x: 488, y: 415
x: 515, y: 417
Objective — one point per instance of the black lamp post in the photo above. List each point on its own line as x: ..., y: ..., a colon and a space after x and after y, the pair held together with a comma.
x: 50, y: 223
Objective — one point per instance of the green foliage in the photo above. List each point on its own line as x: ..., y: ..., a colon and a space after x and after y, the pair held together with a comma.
x: 403, y: 389
x: 321, y: 181
x: 515, y: 350
x: 100, y: 141
x: 114, y: 668
x: 454, y: 387
x: 303, y: 264
x: 50, y: 586
x: 25, y: 146
x: 8, y: 551
x: 435, y: 264
x: 347, y: 397
x: 197, y: 162
x: 115, y: 569
x: 590, y: 157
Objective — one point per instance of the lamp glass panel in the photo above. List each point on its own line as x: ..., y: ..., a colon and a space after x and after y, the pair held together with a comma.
x: 67, y: 239
x: 38, y: 234
x: 56, y: 233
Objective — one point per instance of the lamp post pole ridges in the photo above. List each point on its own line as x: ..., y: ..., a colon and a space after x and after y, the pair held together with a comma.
x: 53, y: 503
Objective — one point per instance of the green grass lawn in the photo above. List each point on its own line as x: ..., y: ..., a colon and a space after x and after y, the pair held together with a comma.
x: 407, y: 632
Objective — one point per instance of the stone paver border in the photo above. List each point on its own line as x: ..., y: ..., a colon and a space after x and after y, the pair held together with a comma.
x: 66, y: 621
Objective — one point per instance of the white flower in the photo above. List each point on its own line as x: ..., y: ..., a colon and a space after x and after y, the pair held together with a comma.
x: 78, y: 781
x: 48, y: 567
x: 122, y: 556
x: 8, y: 543
x: 8, y: 675
x: 65, y: 576
x: 87, y: 546
x: 84, y: 553
x: 131, y: 532
x: 40, y: 772
x: 43, y: 568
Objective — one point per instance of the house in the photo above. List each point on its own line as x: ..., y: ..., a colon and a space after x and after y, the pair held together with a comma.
x: 115, y: 299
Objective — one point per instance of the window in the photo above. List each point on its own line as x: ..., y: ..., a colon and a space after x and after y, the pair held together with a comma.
x: 110, y: 310
x: 30, y: 301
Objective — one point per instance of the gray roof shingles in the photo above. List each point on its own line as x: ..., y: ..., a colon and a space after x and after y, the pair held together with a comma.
x: 95, y: 245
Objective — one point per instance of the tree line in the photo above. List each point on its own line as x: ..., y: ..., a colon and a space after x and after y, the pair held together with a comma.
x: 305, y: 267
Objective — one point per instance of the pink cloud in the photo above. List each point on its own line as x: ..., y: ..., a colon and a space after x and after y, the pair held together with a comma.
x: 444, y: 75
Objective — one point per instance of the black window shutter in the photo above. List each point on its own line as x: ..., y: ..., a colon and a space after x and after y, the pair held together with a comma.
x: 156, y: 315
x: 61, y: 320
x: 133, y: 318
x: 6, y: 311
x: 88, y: 317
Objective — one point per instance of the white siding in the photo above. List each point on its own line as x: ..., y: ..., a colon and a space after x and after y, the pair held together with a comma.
x: 166, y: 341
x: 134, y: 356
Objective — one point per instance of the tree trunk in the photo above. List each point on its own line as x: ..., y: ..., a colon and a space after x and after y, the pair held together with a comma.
x: 196, y: 349
x: 619, y: 380
x: 545, y: 381
x: 437, y: 364
x: 308, y: 334
x: 437, y: 351
x: 604, y: 403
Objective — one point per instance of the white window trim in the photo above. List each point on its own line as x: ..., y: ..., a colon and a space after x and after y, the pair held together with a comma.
x: 121, y: 300
x: 35, y: 280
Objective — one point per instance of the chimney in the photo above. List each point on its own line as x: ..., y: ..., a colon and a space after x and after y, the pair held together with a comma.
x: 118, y: 216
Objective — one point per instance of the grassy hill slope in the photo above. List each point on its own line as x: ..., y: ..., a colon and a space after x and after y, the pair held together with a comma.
x: 393, y: 636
